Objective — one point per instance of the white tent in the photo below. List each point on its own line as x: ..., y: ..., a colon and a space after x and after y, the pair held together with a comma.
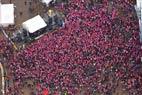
x: 46, y: 1
x: 6, y: 14
x: 139, y: 4
x: 34, y: 24
x: 138, y: 8
x: 140, y: 26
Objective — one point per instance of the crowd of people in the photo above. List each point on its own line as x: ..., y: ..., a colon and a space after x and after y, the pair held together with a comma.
x: 96, y: 51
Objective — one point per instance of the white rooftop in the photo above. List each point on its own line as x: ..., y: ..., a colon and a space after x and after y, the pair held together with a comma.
x: 34, y: 24
x: 46, y: 1
x: 6, y: 14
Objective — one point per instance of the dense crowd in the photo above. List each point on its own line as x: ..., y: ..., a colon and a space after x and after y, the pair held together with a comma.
x: 96, y: 51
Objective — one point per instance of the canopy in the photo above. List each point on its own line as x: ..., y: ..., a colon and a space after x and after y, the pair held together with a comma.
x: 46, y: 1
x: 34, y: 24
x: 139, y: 3
x: 6, y: 14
